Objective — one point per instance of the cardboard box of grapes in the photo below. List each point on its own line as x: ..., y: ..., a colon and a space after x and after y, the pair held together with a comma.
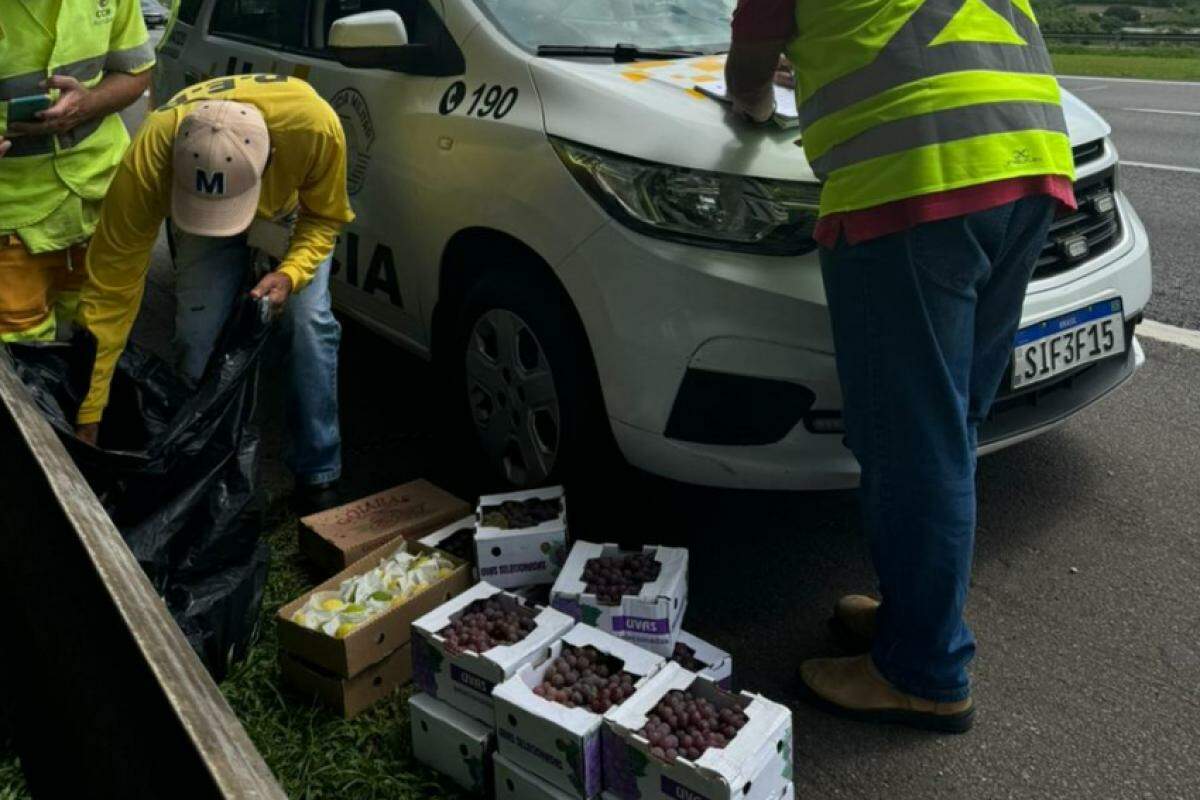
x: 457, y: 539
x: 336, y: 538
x: 459, y: 747
x: 694, y: 654
x: 521, y: 537
x: 682, y: 736
x: 514, y: 783
x: 348, y: 697
x: 464, y: 648
x: 380, y: 635
x: 638, y: 595
x: 550, y: 714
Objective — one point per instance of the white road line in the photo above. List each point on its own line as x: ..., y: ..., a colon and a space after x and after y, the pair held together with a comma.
x: 1164, y: 111
x: 1170, y: 167
x: 1127, y: 80
x: 1092, y: 88
x: 1162, y: 332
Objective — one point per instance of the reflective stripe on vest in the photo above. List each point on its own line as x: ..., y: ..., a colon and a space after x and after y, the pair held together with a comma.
x: 941, y: 92
x: 961, y: 92
x: 908, y: 57
x: 80, y: 40
x: 951, y: 124
x: 87, y: 71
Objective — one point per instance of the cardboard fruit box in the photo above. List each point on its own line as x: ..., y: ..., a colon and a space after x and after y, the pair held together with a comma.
x: 463, y: 678
x: 559, y: 744
x: 514, y: 557
x: 514, y: 783
x: 704, y: 659
x: 652, y: 618
x: 755, y: 765
x: 348, y: 697
x: 459, y: 747
x: 335, y: 539
x: 379, y: 636
x: 457, y: 539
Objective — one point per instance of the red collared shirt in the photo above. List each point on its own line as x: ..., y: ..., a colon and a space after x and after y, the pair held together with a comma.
x: 871, y: 223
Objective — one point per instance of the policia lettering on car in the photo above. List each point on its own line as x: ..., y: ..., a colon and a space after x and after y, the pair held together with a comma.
x: 380, y: 274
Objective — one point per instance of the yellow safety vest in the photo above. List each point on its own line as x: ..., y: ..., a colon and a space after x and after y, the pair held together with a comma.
x: 901, y: 98
x: 82, y: 39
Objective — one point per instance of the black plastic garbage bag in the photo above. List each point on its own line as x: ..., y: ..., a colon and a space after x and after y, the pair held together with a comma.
x: 176, y: 468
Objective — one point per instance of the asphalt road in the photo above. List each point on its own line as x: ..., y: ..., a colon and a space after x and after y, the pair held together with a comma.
x: 1086, y: 594
x: 1156, y: 127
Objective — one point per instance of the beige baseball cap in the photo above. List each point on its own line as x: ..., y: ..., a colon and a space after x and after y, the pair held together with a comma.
x: 221, y: 150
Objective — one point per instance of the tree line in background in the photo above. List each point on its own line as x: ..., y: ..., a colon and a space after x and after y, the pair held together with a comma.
x: 1080, y: 16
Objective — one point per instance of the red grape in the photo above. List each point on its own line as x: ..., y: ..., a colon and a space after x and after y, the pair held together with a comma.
x: 484, y: 624
x: 515, y: 514
x: 685, y: 724
x: 611, y: 577
x: 583, y: 676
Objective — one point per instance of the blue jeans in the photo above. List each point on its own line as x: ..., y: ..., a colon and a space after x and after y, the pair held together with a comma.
x: 923, y: 323
x: 210, y: 274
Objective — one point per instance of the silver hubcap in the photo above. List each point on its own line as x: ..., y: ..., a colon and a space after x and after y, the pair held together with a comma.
x: 512, y: 397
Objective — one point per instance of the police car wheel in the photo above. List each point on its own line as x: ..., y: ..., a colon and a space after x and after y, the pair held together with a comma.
x: 527, y: 381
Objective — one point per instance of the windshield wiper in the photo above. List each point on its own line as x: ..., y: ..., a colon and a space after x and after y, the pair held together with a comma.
x: 620, y: 53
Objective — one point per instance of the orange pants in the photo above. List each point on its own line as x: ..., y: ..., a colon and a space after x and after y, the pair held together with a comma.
x: 38, y: 293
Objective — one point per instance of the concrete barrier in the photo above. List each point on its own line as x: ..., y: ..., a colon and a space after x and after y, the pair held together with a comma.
x: 102, y: 694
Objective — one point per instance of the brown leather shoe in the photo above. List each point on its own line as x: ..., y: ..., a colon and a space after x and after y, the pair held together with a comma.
x: 852, y: 688
x: 853, y: 622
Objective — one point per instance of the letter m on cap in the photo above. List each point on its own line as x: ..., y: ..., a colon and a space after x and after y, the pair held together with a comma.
x: 210, y: 183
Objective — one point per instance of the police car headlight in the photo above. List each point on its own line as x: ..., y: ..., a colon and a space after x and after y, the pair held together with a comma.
x: 711, y: 209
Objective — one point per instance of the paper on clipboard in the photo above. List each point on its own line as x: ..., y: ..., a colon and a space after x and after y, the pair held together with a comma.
x: 785, y: 116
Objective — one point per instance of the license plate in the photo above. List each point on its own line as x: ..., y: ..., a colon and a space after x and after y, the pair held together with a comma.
x: 1064, y: 343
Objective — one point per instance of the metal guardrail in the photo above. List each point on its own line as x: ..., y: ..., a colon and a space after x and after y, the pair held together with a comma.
x: 102, y: 694
x: 1119, y: 38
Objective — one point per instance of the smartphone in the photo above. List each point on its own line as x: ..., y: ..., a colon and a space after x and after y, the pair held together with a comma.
x: 23, y: 109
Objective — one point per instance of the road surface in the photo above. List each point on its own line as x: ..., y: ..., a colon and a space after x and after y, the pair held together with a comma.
x: 1156, y: 127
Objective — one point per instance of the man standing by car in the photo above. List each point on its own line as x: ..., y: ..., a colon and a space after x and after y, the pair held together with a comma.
x: 937, y: 131
x: 214, y: 158
x: 56, y: 162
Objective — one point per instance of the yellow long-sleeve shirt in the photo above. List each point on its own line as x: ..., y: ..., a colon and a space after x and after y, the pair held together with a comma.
x: 306, y: 174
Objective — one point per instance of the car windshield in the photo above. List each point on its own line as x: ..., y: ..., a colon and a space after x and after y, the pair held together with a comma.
x: 674, y: 24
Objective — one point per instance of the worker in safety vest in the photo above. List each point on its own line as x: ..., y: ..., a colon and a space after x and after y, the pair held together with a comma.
x: 85, y: 60
x: 214, y: 158
x: 937, y: 131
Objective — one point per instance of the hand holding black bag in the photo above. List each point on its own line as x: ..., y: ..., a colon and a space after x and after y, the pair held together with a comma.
x: 176, y: 467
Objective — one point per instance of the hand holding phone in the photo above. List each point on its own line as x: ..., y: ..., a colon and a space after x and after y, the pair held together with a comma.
x: 25, y: 109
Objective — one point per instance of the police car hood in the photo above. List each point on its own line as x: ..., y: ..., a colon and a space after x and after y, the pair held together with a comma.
x: 653, y: 111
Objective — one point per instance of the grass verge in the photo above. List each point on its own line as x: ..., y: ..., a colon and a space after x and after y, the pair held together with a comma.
x: 1153, y: 63
x: 12, y: 781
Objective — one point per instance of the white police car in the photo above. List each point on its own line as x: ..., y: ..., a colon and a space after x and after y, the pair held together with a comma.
x: 591, y: 245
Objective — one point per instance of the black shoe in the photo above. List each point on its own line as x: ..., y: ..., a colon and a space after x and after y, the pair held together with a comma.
x: 312, y: 498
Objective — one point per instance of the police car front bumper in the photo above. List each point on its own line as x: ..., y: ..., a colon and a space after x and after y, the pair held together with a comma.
x: 717, y: 368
